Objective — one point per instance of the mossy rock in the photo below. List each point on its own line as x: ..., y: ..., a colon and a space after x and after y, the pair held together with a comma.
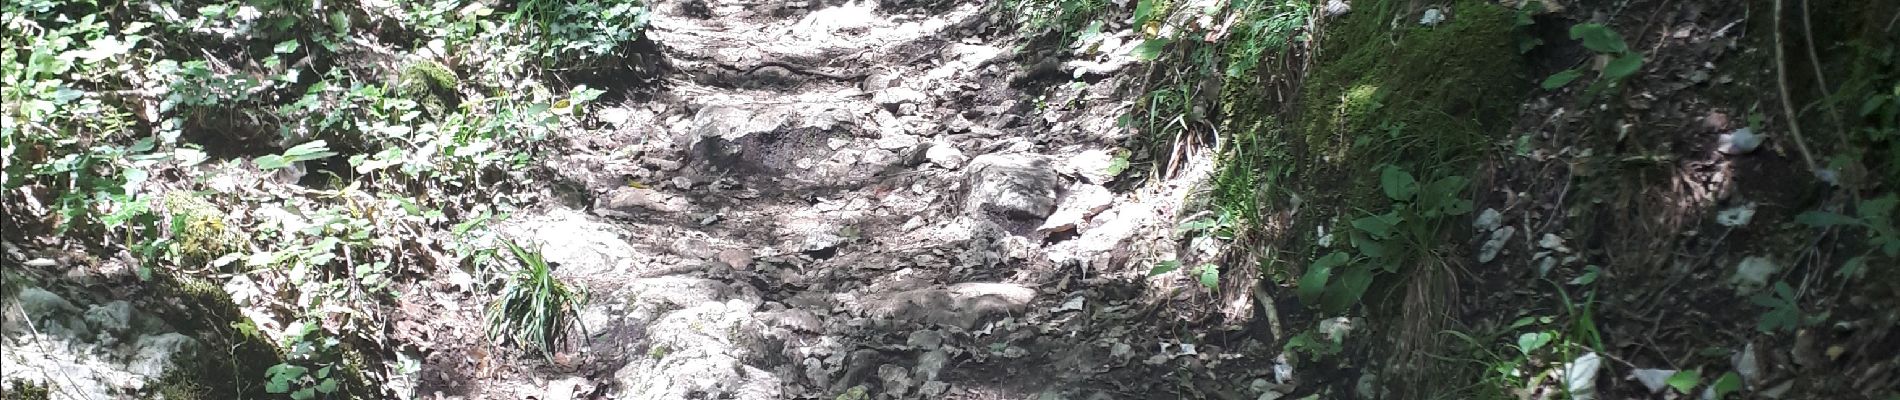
x: 237, y: 368
x: 199, y: 230
x: 1425, y: 96
x: 430, y: 84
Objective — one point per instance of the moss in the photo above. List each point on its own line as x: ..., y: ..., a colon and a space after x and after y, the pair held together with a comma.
x: 1386, y: 90
x: 199, y: 233
x: 182, y: 384
x: 430, y: 84
x: 235, y: 366
x: 1422, y: 96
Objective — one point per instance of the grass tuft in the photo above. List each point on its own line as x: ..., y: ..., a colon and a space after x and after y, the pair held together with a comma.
x: 536, y: 312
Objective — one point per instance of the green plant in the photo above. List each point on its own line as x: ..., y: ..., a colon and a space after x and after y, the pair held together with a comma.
x: 1875, y: 216
x: 1623, y: 63
x: 307, y: 347
x: 1784, y: 313
x: 1729, y: 382
x: 1684, y: 381
x: 535, y: 310
x: 1314, y: 345
x: 20, y: 389
x: 578, y: 34
x: 1404, y: 235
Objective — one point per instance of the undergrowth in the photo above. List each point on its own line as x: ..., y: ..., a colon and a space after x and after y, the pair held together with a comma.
x: 279, y: 155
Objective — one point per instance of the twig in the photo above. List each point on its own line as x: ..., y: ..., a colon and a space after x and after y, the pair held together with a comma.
x: 1787, y: 104
x: 1807, y: 34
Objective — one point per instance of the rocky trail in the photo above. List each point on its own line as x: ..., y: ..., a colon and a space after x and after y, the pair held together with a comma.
x: 850, y: 203
x: 943, y: 199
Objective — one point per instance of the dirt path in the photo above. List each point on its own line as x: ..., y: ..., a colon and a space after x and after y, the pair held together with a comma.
x: 853, y: 202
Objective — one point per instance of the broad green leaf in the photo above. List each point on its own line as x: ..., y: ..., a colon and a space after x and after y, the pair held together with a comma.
x: 328, y: 386
x: 1684, y: 381
x: 1623, y: 67
x: 1457, y: 207
x: 277, y: 386
x: 64, y: 95
x: 1442, y: 196
x: 1561, y: 78
x: 1210, y: 276
x: 1531, y: 341
x: 1144, y: 10
x: 189, y: 156
x: 314, y: 150
x: 285, y: 47
x: 103, y: 48
x: 1877, y: 209
x: 1786, y: 292
x: 1823, y: 219
x: 1589, y: 275
x: 1164, y: 267
x: 1873, y: 104
x: 1313, y: 283
x: 1598, y: 38
x: 1196, y: 225
x: 1345, y: 292
x: 1398, y: 184
x: 1380, y: 226
x: 1367, y: 245
x: 1854, y: 268
x: 304, y: 394
x: 1728, y: 383
x: 270, y: 162
x: 1150, y: 49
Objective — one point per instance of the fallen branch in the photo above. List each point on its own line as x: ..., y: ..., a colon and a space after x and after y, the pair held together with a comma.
x: 1787, y: 104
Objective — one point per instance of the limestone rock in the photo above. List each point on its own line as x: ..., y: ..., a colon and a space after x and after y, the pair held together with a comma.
x: 1019, y: 187
x: 945, y: 155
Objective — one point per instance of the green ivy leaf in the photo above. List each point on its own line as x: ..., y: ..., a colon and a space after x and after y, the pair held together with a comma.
x: 304, y: 394
x: 1598, y: 38
x: 1684, y: 381
x: 1398, y: 184
x: 285, y: 47
x: 1313, y: 283
x: 1561, y: 78
x: 1150, y: 49
x: 1623, y: 67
